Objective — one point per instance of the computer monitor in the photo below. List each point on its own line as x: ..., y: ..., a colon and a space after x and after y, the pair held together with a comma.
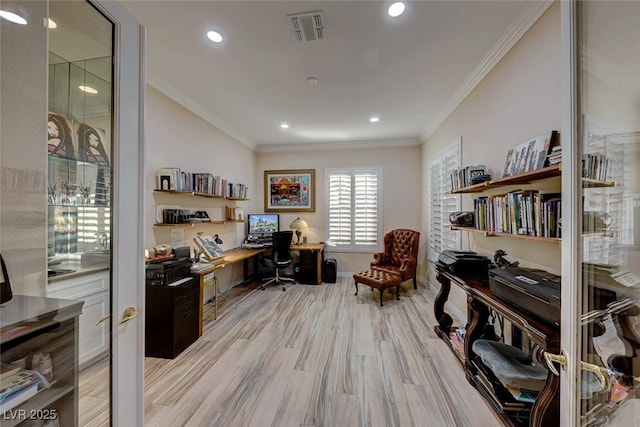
x: 263, y: 225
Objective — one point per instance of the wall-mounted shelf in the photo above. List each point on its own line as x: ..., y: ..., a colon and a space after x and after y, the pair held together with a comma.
x: 594, y: 183
x: 193, y: 193
x: 524, y: 178
x: 195, y: 224
x: 499, y: 234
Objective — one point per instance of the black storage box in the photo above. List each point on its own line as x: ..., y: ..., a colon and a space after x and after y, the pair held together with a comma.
x: 535, y: 293
x: 329, y: 270
x: 464, y: 263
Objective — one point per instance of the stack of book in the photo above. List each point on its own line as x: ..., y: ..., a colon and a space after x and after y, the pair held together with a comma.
x: 18, y: 385
x: 469, y: 175
x: 501, y: 396
x: 555, y: 156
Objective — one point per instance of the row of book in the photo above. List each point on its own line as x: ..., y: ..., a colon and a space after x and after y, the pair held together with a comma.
x: 595, y: 166
x: 466, y: 176
x: 529, y: 212
x: 18, y: 385
x: 174, y: 179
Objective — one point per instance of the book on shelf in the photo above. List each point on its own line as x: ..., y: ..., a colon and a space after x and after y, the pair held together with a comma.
x: 19, y: 387
x: 530, y: 213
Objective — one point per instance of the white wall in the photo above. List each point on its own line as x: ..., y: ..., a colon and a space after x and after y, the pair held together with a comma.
x: 23, y: 153
x: 401, y: 189
x: 178, y: 138
x: 519, y: 99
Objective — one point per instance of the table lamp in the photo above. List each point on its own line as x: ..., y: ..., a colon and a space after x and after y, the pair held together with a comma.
x: 298, y: 225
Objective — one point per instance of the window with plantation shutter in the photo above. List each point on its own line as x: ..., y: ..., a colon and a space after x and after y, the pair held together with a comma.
x: 353, y: 217
x: 442, y: 202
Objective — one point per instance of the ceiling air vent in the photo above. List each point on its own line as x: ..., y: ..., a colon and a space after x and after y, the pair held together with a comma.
x: 308, y: 26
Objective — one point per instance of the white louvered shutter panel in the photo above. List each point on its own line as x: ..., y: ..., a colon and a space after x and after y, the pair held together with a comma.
x: 339, y: 200
x: 450, y: 202
x: 366, y: 208
x: 353, y: 214
x: 442, y: 202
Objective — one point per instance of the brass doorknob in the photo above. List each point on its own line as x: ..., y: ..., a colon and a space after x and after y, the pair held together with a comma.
x: 561, y: 359
x: 129, y: 313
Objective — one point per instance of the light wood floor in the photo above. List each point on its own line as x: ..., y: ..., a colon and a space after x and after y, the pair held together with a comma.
x: 312, y: 356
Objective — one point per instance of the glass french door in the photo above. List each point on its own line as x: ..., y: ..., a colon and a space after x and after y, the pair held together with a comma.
x: 94, y: 186
x: 602, y: 336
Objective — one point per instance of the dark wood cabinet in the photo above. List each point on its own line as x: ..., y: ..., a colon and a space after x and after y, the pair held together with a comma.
x: 172, y: 318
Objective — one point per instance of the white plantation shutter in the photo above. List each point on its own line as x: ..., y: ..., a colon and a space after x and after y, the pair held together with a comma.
x: 442, y: 202
x: 354, y: 213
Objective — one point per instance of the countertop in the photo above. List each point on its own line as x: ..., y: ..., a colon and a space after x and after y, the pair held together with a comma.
x: 79, y: 267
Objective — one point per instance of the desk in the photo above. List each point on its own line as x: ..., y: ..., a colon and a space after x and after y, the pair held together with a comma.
x: 236, y: 255
x: 231, y: 256
x: 310, y: 249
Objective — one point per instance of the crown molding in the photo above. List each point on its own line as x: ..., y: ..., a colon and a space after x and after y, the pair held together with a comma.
x: 516, y: 30
x: 379, y: 143
x: 197, y: 109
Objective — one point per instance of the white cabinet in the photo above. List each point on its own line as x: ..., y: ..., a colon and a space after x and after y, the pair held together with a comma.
x: 93, y: 289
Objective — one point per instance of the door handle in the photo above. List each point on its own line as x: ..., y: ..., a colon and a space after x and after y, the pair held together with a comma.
x: 560, y: 359
x: 129, y: 313
x: 601, y: 373
x: 103, y: 318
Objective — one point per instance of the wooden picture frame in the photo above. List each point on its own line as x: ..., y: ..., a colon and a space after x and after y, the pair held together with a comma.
x: 290, y: 190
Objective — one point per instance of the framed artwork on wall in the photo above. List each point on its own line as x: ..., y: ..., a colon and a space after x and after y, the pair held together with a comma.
x: 290, y: 190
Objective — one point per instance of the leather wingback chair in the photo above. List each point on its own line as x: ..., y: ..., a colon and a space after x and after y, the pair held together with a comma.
x: 400, y: 254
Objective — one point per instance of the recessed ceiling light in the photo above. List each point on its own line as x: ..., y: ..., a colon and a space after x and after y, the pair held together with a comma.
x: 12, y: 17
x: 88, y: 89
x: 284, y: 125
x: 312, y: 81
x: 396, y: 9
x: 51, y: 24
x: 374, y: 119
x: 214, y: 36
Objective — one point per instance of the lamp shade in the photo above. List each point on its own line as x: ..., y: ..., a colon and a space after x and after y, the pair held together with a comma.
x: 298, y: 224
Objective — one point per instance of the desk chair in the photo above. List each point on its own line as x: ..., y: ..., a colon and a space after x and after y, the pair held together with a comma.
x: 280, y: 259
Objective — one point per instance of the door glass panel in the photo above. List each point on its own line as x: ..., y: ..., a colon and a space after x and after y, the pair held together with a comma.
x: 609, y: 105
x: 79, y: 188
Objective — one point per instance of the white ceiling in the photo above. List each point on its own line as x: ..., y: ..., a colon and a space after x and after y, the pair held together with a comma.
x: 411, y: 71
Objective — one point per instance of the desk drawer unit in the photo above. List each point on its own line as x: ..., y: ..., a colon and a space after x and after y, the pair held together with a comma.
x: 171, y: 321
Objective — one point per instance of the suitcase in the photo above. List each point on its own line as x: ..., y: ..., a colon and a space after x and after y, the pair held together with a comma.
x: 329, y: 270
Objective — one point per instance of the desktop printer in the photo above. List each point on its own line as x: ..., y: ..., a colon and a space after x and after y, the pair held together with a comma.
x: 464, y: 263
x: 535, y: 292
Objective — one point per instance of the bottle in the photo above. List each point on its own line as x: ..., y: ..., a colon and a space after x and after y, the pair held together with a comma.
x: 46, y: 367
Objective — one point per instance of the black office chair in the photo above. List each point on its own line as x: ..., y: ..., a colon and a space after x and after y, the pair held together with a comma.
x: 280, y: 259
